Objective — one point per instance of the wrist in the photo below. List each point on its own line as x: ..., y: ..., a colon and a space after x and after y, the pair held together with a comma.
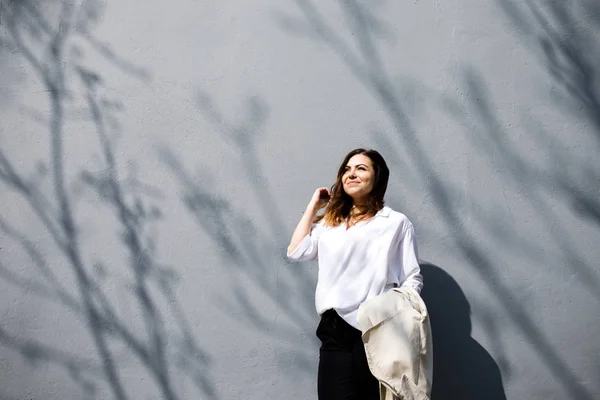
x: 312, y: 210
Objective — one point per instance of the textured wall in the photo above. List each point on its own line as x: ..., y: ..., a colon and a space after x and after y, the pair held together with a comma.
x: 156, y: 156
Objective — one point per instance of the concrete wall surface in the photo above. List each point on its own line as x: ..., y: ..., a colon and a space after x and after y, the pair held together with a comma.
x: 155, y: 157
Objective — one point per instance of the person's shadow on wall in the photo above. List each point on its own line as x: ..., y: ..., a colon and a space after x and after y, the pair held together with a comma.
x: 462, y: 368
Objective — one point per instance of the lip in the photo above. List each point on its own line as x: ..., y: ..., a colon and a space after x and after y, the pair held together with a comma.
x: 352, y: 183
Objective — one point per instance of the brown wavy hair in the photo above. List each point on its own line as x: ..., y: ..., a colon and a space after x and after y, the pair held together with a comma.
x: 338, y: 208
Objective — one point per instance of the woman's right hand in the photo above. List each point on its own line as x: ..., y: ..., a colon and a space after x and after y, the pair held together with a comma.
x: 320, y: 198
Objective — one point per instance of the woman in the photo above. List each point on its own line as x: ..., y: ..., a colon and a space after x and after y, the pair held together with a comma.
x: 363, y: 250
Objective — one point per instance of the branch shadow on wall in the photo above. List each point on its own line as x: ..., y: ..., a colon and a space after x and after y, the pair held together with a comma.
x: 563, y: 36
x: 462, y: 368
x: 254, y: 250
x: 165, y: 347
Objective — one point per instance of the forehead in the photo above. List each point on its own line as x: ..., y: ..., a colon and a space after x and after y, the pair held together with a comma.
x: 359, y: 159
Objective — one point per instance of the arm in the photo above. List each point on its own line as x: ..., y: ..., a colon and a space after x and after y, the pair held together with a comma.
x: 301, y: 246
x: 303, y: 228
x: 410, y: 273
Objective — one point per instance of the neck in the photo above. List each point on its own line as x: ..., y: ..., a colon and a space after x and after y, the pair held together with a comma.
x: 360, y: 204
x: 358, y: 208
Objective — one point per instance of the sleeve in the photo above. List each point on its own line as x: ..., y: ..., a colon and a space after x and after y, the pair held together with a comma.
x: 307, y: 248
x: 409, y: 273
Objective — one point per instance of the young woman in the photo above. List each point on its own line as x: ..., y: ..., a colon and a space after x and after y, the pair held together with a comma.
x: 363, y: 249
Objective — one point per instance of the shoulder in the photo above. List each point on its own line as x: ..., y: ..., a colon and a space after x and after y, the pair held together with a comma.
x: 320, y: 226
x: 396, y: 218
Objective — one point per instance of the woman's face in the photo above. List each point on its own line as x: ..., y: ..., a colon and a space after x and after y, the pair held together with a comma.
x: 359, y: 178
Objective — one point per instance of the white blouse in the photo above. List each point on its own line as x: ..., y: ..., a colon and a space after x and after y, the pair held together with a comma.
x: 361, y: 262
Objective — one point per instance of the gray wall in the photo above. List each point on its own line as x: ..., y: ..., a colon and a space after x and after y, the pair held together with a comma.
x: 156, y: 156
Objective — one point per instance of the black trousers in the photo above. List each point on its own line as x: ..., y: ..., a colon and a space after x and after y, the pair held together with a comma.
x: 343, y: 369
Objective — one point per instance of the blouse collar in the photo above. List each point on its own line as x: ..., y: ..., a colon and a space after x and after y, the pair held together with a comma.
x: 384, y: 212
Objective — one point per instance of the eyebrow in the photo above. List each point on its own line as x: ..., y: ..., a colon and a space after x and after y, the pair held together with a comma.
x: 357, y: 165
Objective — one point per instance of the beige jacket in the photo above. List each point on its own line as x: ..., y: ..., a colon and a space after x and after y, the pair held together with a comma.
x: 397, y: 336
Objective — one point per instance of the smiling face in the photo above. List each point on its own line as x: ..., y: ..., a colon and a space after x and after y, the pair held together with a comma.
x: 359, y: 178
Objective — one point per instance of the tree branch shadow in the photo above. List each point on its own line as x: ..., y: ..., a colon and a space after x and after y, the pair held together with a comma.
x: 165, y: 347
x: 243, y: 243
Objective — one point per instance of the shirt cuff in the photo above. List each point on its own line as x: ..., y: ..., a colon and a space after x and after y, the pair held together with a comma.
x: 299, y: 251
